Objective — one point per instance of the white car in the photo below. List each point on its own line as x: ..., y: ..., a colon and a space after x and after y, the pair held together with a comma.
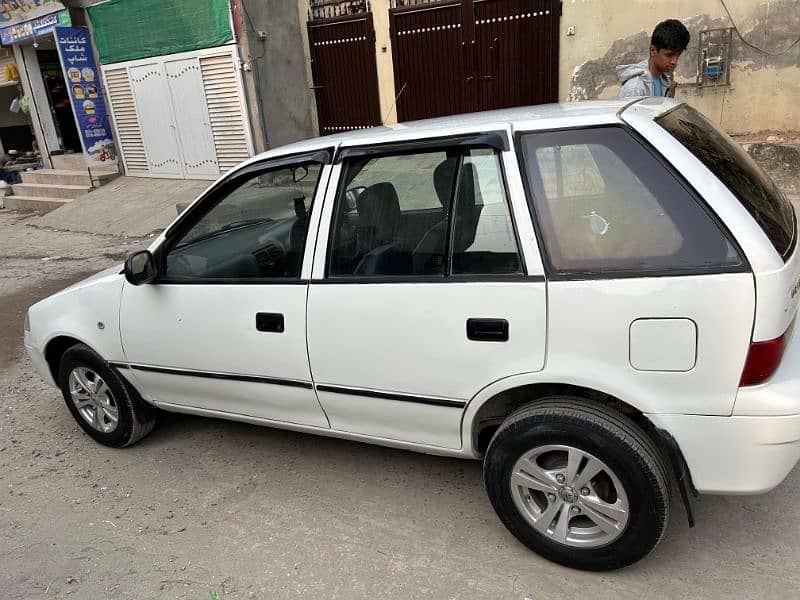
x: 593, y: 298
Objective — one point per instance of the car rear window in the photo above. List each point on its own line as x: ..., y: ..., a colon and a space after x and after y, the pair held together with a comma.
x: 738, y: 171
x: 605, y: 205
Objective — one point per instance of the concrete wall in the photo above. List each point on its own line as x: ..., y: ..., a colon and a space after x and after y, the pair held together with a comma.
x: 277, y: 83
x: 383, y: 59
x: 764, y: 93
x: 302, y: 15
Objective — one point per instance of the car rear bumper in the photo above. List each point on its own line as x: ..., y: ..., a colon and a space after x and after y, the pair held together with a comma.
x: 754, y: 449
x: 735, y: 455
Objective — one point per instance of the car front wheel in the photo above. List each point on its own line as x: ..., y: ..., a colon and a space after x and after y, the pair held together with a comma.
x: 105, y: 407
x: 580, y: 484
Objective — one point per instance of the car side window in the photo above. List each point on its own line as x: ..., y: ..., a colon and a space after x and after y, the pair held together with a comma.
x: 569, y: 171
x: 484, y: 241
x: 395, y: 215
x: 258, y: 229
x: 606, y: 204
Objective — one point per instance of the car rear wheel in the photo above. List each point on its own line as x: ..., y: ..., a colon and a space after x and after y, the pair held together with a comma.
x: 580, y: 484
x: 105, y: 407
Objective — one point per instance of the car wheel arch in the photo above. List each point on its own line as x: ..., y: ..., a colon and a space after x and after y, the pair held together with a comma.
x: 55, y: 348
x: 486, y: 412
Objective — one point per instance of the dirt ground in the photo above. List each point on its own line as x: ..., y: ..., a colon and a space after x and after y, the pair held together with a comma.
x: 211, y: 509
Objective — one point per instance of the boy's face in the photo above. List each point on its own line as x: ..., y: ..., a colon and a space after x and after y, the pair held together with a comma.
x: 663, y: 60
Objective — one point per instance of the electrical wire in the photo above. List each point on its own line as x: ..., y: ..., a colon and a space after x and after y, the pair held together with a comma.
x: 247, y: 14
x: 253, y: 62
x: 253, y: 29
x: 753, y: 46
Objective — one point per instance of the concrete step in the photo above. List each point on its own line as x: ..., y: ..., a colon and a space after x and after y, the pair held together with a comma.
x: 64, y: 177
x: 77, y: 163
x: 105, y: 170
x: 69, y: 162
x: 39, y: 204
x: 43, y: 190
x: 57, y: 177
x: 104, y: 174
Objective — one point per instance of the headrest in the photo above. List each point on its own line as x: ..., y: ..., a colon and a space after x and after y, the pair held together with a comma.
x: 443, y: 176
x: 379, y: 207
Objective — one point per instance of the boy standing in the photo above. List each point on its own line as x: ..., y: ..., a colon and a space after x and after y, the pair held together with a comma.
x: 653, y: 76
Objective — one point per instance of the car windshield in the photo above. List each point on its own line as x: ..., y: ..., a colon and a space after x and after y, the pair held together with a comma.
x: 738, y: 171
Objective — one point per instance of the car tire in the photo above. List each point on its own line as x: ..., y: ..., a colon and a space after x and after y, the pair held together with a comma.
x: 538, y: 473
x: 101, y: 401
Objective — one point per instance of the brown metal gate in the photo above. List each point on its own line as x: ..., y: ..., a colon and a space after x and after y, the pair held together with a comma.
x: 344, y: 72
x: 465, y: 55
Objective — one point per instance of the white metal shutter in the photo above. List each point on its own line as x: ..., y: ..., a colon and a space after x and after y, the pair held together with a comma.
x: 225, y: 110
x: 126, y: 120
x: 192, y: 123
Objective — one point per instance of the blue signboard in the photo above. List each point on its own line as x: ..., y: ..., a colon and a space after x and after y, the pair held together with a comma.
x: 32, y: 28
x: 82, y: 78
x: 15, y: 11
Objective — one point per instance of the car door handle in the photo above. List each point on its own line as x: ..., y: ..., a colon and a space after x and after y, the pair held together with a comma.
x: 271, y: 322
x: 487, y: 330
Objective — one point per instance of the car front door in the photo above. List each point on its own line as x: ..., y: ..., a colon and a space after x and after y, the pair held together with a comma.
x: 426, y: 288
x: 223, y: 328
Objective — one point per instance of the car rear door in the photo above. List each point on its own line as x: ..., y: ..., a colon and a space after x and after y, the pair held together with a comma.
x: 425, y: 289
x: 651, y: 299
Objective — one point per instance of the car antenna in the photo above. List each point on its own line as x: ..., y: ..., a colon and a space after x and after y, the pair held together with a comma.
x: 396, y: 98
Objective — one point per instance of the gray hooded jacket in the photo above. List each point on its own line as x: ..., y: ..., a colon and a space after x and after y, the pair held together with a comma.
x: 637, y: 80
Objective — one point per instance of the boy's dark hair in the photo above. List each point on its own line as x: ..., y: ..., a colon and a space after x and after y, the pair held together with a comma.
x: 670, y: 35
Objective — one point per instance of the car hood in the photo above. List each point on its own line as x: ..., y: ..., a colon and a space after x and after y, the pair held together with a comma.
x: 79, y: 311
x: 101, y: 279
x: 110, y: 273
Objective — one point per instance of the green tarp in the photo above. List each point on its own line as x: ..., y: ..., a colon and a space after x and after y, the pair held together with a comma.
x: 130, y: 29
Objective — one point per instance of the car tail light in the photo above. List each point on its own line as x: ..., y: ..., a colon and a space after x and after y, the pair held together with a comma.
x: 763, y: 359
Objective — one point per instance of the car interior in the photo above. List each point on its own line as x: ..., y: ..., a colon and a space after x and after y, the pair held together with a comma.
x: 257, y: 231
x: 598, y: 214
x: 376, y: 236
x: 388, y: 221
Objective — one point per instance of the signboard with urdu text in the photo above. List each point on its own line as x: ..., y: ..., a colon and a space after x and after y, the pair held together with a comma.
x: 15, y: 11
x: 82, y: 78
x: 34, y: 27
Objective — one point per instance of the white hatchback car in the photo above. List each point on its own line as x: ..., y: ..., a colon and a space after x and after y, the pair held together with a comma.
x: 593, y: 298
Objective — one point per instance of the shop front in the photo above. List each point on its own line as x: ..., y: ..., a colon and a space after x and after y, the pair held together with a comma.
x: 18, y: 146
x: 59, y: 85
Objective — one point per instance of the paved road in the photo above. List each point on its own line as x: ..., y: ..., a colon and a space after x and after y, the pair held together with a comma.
x: 203, y: 508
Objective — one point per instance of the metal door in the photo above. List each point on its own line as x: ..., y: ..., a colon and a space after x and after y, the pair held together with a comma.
x: 516, y: 49
x: 458, y: 56
x: 344, y: 72
x: 191, y: 120
x: 155, y: 118
x: 432, y: 59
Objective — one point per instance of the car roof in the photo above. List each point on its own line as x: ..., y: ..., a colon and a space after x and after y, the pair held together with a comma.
x: 543, y: 116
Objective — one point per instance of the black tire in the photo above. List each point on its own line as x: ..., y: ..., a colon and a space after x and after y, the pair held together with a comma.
x: 135, y: 418
x: 609, y: 436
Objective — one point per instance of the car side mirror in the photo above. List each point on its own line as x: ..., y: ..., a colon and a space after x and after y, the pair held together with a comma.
x: 140, y: 268
x: 299, y: 173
